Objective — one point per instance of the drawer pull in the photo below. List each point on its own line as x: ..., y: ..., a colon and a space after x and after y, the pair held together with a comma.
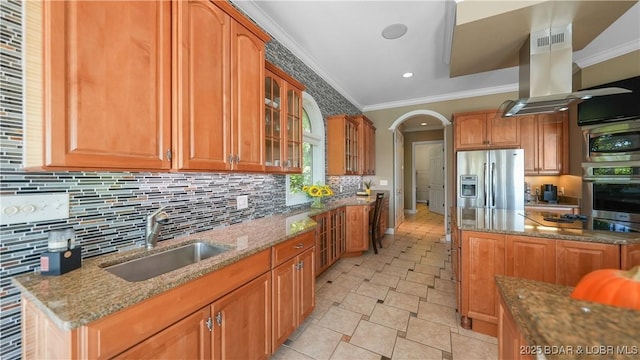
x: 299, y: 246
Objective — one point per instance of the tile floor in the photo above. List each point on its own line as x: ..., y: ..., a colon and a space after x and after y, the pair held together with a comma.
x: 399, y: 304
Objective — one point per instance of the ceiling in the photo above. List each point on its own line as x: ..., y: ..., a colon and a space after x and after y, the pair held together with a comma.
x: 342, y: 42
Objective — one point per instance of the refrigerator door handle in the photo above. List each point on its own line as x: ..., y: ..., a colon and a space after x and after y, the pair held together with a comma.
x: 493, y: 185
x: 484, y: 176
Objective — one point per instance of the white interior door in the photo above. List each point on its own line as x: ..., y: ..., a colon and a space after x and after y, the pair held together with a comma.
x: 399, y: 177
x: 422, y: 186
x: 436, y: 179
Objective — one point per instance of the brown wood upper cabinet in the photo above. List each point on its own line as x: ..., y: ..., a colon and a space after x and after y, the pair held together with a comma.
x: 144, y: 85
x: 219, y: 94
x: 368, y: 145
x: 283, y: 121
x: 105, y: 96
x: 485, y: 129
x: 351, y: 145
x: 545, y: 141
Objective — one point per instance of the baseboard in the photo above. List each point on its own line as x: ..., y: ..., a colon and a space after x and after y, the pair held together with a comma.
x: 410, y: 212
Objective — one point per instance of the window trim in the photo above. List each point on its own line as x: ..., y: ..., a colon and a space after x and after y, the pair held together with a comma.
x: 315, y: 138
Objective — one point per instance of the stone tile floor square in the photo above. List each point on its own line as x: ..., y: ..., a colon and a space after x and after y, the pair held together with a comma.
x: 399, y: 304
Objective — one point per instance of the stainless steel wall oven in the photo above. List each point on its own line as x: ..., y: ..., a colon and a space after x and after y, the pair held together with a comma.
x: 618, y: 141
x: 611, y: 195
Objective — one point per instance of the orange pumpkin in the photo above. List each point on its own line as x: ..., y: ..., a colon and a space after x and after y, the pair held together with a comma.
x: 612, y: 287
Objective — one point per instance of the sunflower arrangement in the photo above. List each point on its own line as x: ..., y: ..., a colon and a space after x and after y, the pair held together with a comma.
x: 317, y: 192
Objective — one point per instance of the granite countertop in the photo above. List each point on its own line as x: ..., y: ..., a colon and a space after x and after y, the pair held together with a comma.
x: 90, y: 293
x: 532, y: 223
x: 540, y: 204
x: 563, y: 328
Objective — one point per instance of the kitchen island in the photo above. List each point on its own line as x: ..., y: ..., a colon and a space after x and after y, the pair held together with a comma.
x: 488, y: 242
x: 539, y: 319
x: 87, y: 310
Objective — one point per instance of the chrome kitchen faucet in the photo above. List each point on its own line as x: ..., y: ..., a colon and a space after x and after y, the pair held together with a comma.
x: 154, y: 223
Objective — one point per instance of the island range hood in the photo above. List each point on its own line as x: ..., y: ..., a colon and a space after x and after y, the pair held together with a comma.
x: 546, y: 75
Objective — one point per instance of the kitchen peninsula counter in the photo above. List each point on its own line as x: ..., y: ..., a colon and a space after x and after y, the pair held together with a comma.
x: 533, y: 223
x: 559, y: 327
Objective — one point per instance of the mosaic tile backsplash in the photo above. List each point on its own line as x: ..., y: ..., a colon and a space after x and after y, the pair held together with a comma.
x: 108, y: 209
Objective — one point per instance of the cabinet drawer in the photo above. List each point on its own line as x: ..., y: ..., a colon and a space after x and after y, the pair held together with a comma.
x: 291, y: 248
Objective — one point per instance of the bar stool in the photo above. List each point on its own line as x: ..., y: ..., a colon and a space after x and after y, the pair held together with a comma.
x: 374, y: 223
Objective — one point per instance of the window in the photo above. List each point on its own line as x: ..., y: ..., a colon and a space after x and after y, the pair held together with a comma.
x: 312, y: 152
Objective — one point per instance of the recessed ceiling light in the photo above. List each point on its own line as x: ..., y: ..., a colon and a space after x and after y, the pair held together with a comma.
x: 394, y: 31
x: 423, y: 123
x: 407, y: 75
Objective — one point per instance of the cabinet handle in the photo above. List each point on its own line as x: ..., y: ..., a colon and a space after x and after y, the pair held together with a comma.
x: 168, y: 153
x: 230, y: 158
x: 299, y: 246
x: 219, y: 318
x: 237, y: 159
x: 209, y: 324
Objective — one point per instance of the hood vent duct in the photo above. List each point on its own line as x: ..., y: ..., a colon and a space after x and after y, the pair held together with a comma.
x: 546, y: 75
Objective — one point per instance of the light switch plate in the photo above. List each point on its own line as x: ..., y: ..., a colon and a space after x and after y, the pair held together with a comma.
x: 242, y: 201
x: 37, y: 207
x: 384, y: 183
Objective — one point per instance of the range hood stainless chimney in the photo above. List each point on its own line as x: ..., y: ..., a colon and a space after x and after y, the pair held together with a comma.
x: 546, y: 71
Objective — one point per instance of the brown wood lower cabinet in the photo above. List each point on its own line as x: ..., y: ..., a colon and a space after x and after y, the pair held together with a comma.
x: 531, y: 258
x: 293, y: 287
x: 226, y: 314
x: 629, y: 256
x: 330, y: 238
x: 511, y: 342
x: 575, y: 259
x: 242, y: 322
x: 483, y: 255
x: 357, y: 229
x: 189, y: 338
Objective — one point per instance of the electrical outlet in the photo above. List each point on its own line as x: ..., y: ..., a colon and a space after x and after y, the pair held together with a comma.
x: 28, y: 208
x: 384, y: 183
x: 242, y: 201
x: 340, y: 188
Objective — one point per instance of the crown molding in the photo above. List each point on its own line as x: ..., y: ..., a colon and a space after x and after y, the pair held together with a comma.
x: 607, y: 54
x: 444, y: 97
x: 268, y: 24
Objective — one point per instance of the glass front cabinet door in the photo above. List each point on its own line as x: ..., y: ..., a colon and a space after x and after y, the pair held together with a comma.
x: 283, y: 122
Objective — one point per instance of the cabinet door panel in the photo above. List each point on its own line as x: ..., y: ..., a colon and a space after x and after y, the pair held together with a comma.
x: 107, y: 93
x: 247, y: 100
x: 550, y: 144
x: 189, y: 338
x: 307, y: 283
x: 284, y: 301
x: 629, y: 256
x: 503, y: 132
x: 245, y: 328
x: 357, y: 228
x: 323, y: 239
x: 531, y: 258
x: 203, y: 129
x: 470, y: 131
x: 576, y: 259
x: 528, y: 142
x: 484, y: 260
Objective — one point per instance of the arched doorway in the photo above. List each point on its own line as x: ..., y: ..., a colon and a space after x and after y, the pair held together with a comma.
x: 398, y: 139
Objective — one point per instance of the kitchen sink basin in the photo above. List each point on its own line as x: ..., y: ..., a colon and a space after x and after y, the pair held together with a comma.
x: 163, y: 262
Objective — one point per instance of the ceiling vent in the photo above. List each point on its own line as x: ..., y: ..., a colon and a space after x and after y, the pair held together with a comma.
x: 546, y: 71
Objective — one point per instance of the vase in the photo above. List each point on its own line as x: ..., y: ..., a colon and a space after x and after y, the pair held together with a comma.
x: 368, y: 191
x: 317, y: 203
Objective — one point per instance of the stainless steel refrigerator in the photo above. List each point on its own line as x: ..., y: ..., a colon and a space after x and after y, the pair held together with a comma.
x: 491, y: 179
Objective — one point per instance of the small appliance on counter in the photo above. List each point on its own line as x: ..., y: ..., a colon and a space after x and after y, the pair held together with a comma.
x: 549, y: 193
x: 63, y: 256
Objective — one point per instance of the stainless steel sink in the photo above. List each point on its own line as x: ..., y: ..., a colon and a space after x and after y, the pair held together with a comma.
x: 160, y: 263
